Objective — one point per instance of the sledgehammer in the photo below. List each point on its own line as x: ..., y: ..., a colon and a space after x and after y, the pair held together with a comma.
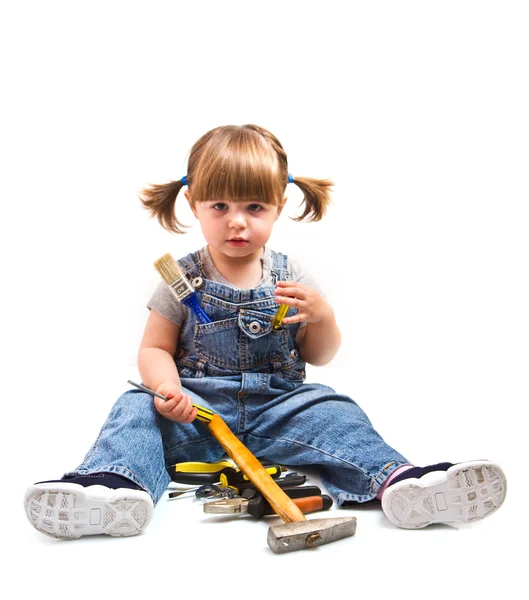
x: 298, y: 532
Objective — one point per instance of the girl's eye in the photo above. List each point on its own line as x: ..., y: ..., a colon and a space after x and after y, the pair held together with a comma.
x: 219, y: 206
x: 255, y: 207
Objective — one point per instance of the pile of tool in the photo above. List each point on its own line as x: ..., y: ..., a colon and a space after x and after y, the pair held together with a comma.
x: 297, y: 532
x: 225, y: 490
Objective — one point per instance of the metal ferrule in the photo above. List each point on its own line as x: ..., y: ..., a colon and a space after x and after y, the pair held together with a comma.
x: 181, y: 288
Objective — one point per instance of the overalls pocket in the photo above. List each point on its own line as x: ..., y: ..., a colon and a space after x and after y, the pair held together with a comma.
x: 218, y: 343
x: 241, y: 343
x: 260, y: 343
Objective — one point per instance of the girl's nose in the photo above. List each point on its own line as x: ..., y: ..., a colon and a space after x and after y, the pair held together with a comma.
x: 238, y: 220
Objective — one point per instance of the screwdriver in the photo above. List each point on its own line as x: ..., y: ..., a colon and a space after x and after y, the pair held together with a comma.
x: 203, y: 414
x: 279, y: 316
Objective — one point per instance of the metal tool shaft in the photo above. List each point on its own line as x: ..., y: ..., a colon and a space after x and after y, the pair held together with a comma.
x: 203, y: 414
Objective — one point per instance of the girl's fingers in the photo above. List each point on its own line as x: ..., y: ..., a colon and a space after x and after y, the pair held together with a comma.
x: 191, y: 416
x: 283, y: 300
x: 296, y: 302
x: 292, y: 284
x: 173, y: 405
x: 184, y: 408
x: 298, y: 318
x: 294, y: 292
x: 165, y: 405
x: 179, y: 408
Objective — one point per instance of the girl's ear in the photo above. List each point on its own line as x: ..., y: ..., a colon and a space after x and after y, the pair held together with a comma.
x: 191, y: 203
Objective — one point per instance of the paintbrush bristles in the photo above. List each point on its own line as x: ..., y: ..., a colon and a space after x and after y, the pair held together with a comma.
x: 168, y: 268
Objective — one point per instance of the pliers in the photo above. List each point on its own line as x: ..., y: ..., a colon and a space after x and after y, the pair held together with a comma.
x: 209, y: 491
x: 199, y: 473
x: 308, y: 498
x: 225, y: 473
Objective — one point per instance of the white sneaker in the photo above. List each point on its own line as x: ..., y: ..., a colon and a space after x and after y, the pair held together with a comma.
x: 69, y: 510
x: 444, y: 493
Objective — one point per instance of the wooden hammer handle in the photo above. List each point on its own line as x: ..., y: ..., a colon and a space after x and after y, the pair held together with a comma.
x: 254, y: 470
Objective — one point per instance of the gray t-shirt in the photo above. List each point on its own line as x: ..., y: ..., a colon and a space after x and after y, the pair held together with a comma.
x: 164, y: 302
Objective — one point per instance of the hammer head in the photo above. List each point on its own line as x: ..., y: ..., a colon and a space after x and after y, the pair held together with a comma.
x: 290, y: 537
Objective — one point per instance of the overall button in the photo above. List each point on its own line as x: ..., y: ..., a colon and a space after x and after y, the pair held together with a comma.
x: 254, y: 327
x: 197, y: 282
x: 294, y: 354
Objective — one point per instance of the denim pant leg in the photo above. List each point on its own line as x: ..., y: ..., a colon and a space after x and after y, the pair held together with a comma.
x: 313, y: 425
x: 138, y: 443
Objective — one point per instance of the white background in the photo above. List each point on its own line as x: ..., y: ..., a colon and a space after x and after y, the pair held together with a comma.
x: 417, y: 111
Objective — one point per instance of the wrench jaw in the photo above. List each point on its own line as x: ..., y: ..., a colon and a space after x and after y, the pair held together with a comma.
x: 291, y: 537
x: 228, y: 506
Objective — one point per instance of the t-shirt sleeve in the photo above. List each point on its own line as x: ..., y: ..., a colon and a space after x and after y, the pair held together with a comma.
x: 301, y: 275
x: 164, y: 302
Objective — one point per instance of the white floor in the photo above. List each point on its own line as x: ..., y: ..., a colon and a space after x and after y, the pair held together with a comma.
x: 184, y: 550
x: 418, y: 112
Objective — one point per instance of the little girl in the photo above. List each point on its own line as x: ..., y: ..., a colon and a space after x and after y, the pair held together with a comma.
x: 242, y: 368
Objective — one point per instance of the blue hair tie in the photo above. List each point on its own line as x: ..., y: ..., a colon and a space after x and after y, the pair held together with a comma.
x: 290, y: 178
x: 184, y: 180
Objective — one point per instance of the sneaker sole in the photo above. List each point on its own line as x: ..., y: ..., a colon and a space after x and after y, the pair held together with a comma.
x: 69, y: 510
x: 464, y: 493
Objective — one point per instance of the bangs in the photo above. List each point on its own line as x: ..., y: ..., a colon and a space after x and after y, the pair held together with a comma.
x: 240, y: 166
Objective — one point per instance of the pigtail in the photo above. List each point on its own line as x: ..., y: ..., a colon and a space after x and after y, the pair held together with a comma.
x: 316, y: 196
x: 159, y: 200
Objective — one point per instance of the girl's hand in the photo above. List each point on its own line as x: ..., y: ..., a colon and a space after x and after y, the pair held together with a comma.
x: 178, y: 407
x: 311, y: 306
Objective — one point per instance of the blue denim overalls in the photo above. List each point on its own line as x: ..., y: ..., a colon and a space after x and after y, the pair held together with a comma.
x: 252, y: 376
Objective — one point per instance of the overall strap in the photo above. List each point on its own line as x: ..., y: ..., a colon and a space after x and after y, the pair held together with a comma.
x: 191, y: 266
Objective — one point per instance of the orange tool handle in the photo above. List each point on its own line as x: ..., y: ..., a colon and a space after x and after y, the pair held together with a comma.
x: 254, y: 470
x: 313, y: 503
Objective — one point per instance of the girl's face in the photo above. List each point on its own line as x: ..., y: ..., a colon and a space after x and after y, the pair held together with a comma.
x: 236, y: 229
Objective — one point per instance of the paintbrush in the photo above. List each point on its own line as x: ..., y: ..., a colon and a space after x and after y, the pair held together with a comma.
x: 178, y: 283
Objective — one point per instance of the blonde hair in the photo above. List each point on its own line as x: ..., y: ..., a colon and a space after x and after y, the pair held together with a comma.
x: 238, y: 163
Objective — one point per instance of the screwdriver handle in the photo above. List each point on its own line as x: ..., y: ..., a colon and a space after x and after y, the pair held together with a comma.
x: 291, y: 480
x: 313, y: 503
x: 302, y: 491
x: 259, y: 507
x: 200, y: 478
x: 288, y: 481
x: 279, y: 316
x: 291, y: 492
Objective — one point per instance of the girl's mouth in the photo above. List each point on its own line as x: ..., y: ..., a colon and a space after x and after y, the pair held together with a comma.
x: 238, y: 243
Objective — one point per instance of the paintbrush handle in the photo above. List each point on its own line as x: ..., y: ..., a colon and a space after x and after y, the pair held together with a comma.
x: 192, y: 302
